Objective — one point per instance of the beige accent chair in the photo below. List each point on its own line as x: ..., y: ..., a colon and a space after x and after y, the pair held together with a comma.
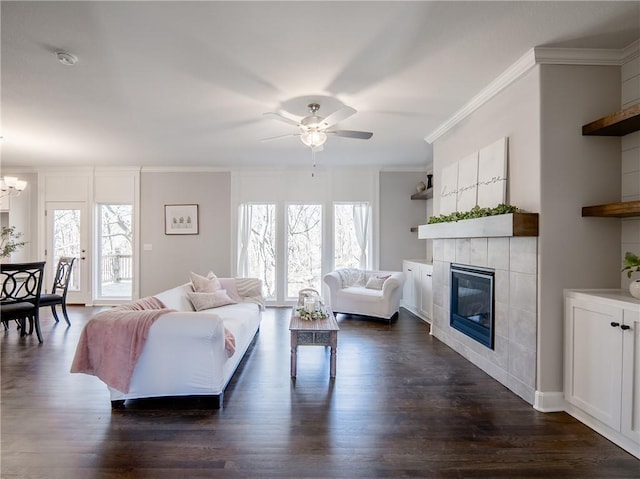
x: 366, y: 293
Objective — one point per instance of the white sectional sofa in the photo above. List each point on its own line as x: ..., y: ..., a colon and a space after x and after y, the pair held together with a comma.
x: 367, y: 293
x: 184, y: 354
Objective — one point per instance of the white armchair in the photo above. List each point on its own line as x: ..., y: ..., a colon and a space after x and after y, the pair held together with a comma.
x: 366, y: 293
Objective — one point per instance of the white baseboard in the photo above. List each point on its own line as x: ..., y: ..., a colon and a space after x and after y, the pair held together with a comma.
x: 552, y: 401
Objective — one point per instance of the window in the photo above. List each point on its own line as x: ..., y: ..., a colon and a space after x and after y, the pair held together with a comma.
x: 304, y: 248
x: 351, y: 235
x: 257, y: 245
x: 115, y: 258
x: 291, y: 254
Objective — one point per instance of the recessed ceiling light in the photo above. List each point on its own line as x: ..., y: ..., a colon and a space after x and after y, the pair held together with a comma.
x: 67, y: 58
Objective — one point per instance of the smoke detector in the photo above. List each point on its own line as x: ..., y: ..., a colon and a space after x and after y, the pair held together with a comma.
x: 67, y: 58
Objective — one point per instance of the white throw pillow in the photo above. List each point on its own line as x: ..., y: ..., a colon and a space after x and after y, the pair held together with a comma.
x: 200, y: 284
x: 203, y: 301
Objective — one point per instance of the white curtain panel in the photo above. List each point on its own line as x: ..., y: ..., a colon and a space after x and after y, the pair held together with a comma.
x: 244, y: 235
x: 361, y: 225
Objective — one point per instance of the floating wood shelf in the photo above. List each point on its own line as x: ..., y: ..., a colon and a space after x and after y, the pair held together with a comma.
x: 423, y: 195
x: 513, y: 224
x: 625, y: 209
x: 617, y: 124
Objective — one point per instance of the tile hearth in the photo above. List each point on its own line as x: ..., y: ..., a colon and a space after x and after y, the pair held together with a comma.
x: 513, y: 359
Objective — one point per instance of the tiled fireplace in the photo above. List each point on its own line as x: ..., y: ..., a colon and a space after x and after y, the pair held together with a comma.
x: 512, y: 361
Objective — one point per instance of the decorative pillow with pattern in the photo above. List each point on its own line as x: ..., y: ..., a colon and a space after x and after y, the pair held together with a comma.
x: 208, y: 284
x: 351, y: 277
x: 375, y: 282
x: 202, y: 301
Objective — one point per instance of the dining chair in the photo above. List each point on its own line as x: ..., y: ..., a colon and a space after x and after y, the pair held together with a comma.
x: 20, y: 295
x: 58, y: 293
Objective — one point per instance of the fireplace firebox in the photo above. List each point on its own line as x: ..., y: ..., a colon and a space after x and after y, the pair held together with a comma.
x: 472, y: 302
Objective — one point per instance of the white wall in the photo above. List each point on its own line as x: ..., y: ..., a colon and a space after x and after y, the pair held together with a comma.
x: 173, y: 257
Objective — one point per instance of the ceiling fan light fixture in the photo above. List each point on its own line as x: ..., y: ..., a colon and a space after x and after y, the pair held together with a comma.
x: 313, y: 138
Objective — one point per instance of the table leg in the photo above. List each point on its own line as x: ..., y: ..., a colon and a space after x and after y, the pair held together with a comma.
x: 332, y: 362
x: 294, y: 354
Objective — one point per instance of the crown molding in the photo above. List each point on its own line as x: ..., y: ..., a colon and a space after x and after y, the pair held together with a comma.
x: 511, y: 74
x: 538, y: 56
x: 578, y: 56
x: 184, y: 169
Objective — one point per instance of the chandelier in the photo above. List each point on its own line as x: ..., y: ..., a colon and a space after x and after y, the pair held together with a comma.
x: 11, y: 186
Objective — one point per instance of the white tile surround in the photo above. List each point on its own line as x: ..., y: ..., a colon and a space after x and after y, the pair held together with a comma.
x: 513, y: 361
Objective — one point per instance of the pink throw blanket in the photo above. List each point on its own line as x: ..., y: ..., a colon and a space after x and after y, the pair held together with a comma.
x: 112, y: 341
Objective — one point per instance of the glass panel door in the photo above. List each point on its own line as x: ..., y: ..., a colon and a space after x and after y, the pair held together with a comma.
x: 67, y: 236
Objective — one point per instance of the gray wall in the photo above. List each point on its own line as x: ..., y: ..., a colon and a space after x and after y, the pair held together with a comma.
x: 173, y: 257
x: 398, y: 214
x: 576, y: 171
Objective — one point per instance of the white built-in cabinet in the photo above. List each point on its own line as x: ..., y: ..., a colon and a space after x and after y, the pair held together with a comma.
x: 602, y: 363
x: 417, y: 294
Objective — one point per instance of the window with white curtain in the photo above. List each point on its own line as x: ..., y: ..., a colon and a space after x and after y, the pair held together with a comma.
x: 352, y: 235
x: 257, y: 245
x: 291, y: 254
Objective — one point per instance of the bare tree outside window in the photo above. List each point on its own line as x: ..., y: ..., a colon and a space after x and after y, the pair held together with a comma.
x: 347, y: 251
x: 116, y: 251
x: 304, y: 248
x: 261, y: 247
x: 66, y: 240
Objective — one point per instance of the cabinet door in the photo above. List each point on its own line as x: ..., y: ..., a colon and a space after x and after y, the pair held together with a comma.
x: 593, y: 361
x: 426, y: 287
x: 417, y: 287
x: 630, y: 417
x: 407, y: 289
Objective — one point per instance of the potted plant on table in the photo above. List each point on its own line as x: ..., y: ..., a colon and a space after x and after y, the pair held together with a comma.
x: 632, y: 265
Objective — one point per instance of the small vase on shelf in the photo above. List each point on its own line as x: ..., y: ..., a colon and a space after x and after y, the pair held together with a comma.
x: 634, y: 288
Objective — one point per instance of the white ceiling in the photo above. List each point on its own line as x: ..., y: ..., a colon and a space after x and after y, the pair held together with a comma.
x: 187, y: 83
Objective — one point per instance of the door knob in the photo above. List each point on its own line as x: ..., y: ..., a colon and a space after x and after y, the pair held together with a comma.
x: 624, y: 327
x: 613, y: 323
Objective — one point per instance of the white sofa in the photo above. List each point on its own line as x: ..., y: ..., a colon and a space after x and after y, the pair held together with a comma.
x: 184, y: 354
x: 348, y: 292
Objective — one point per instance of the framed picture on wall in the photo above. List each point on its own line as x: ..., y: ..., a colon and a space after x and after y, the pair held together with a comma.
x: 181, y: 219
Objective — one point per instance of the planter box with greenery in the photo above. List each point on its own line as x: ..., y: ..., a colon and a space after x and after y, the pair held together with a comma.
x: 501, y: 221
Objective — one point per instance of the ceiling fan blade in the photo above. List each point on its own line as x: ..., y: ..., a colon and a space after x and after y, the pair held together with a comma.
x: 280, y: 116
x: 337, y: 116
x: 280, y: 137
x: 361, y: 135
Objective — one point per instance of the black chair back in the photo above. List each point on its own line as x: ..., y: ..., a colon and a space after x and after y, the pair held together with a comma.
x: 20, y: 295
x: 63, y: 275
x: 21, y: 282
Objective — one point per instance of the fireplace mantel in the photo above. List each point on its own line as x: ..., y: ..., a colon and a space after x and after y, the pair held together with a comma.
x: 513, y: 224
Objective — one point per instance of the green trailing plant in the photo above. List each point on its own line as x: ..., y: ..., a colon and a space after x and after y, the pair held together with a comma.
x: 9, y: 241
x: 475, y: 212
x: 631, y: 264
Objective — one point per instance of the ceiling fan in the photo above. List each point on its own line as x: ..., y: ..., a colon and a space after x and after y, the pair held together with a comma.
x: 314, y: 128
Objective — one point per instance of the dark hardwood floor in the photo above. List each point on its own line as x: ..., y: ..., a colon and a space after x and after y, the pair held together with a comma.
x: 402, y: 405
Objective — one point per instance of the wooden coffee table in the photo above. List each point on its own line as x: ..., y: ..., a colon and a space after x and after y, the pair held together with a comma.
x: 318, y: 332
